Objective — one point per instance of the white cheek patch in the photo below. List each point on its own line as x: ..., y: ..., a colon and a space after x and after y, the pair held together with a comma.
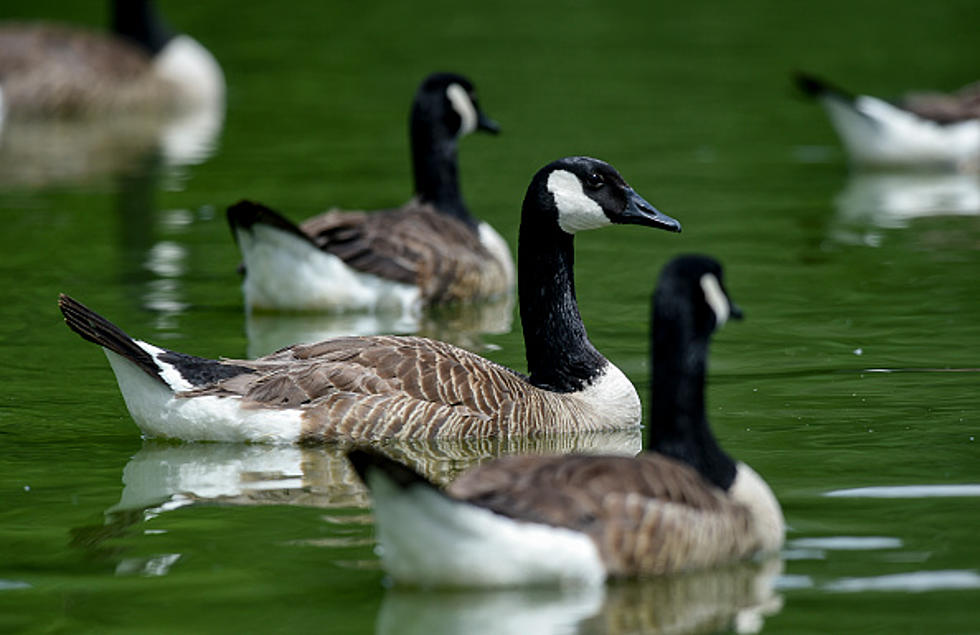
x: 715, y: 298
x: 576, y: 211
x: 464, y: 107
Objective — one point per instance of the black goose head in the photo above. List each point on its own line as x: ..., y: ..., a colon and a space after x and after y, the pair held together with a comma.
x: 446, y: 103
x: 694, y: 286
x: 585, y: 193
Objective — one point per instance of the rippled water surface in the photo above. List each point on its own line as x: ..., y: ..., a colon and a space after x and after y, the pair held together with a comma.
x: 852, y: 386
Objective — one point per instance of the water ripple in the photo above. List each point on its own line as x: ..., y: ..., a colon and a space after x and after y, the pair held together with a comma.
x: 909, y: 491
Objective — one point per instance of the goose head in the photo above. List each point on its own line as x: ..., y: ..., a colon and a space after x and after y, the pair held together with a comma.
x: 447, y: 102
x: 695, y: 285
x: 585, y: 193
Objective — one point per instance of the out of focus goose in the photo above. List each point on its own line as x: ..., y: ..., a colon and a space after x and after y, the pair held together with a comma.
x: 920, y: 129
x: 430, y: 250
x: 383, y: 387
x: 57, y: 71
x: 683, y: 505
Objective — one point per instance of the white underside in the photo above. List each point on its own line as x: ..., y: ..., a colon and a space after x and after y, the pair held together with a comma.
x: 286, y: 272
x: 428, y: 539
x: 750, y: 490
x: 160, y: 413
x: 613, y: 397
x: 195, y: 72
x: 878, y: 133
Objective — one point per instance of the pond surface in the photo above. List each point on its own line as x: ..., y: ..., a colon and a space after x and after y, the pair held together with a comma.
x: 853, y: 385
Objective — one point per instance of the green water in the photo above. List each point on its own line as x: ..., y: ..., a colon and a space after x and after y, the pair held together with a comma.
x: 103, y: 532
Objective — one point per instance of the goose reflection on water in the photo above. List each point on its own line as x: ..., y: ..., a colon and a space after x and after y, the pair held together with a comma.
x: 737, y: 598
x: 872, y: 202
x: 162, y: 477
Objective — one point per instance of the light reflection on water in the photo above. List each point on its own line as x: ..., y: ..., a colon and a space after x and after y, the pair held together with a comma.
x: 909, y: 491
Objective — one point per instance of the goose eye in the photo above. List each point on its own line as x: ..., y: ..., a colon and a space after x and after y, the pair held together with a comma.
x: 594, y: 181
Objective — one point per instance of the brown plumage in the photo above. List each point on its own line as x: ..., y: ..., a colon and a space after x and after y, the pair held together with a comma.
x: 647, y: 515
x: 961, y: 105
x: 59, y: 71
x: 377, y: 387
x: 414, y: 244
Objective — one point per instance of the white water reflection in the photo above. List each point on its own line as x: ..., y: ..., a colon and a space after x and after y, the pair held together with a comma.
x: 871, y: 202
x: 908, y: 491
x: 914, y: 582
x: 737, y: 598
x: 847, y: 543
x: 162, y: 477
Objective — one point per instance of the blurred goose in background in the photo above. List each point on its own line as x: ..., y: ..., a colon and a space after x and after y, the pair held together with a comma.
x: 387, y: 387
x: 430, y: 250
x: 525, y: 520
x: 60, y: 71
x: 920, y: 129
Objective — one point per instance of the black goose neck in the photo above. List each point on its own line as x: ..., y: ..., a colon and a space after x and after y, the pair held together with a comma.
x: 435, y: 165
x: 560, y: 356
x: 678, y: 425
x: 137, y: 21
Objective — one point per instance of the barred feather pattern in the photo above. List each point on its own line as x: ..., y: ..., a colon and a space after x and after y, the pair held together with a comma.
x: 414, y: 244
x: 56, y: 71
x: 649, y: 515
x: 387, y: 387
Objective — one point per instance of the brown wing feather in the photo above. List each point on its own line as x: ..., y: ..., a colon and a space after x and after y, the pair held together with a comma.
x: 52, y: 70
x: 946, y: 108
x: 386, y: 387
x: 414, y: 244
x: 647, y: 515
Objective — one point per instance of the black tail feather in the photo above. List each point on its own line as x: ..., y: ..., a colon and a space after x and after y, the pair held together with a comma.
x: 246, y: 214
x: 815, y: 87
x: 364, y: 459
x: 95, y: 328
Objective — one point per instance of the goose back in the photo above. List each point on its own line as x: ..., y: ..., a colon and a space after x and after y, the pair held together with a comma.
x: 646, y: 515
x: 416, y: 244
x: 387, y: 387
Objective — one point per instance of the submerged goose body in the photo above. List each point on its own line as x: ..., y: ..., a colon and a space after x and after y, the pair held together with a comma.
x: 924, y: 129
x: 57, y: 71
x: 683, y: 505
x: 429, y: 251
x: 387, y: 387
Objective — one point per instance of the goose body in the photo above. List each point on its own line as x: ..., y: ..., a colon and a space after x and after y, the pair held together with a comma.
x: 430, y: 250
x: 938, y: 130
x: 520, y: 520
x: 387, y: 387
x: 57, y: 71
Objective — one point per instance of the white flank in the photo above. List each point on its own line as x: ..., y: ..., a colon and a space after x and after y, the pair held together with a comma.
x: 428, y: 539
x: 464, y: 107
x: 715, y: 298
x: 284, y: 271
x: 160, y: 413
x: 193, y: 69
x: 876, y: 132
x: 750, y: 490
x: 576, y: 211
x: 497, y: 246
x: 612, y: 397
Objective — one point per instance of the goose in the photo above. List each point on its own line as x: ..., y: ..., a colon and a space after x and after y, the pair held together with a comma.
x: 59, y: 71
x: 369, y: 388
x: 522, y: 520
x: 921, y: 129
x: 431, y: 250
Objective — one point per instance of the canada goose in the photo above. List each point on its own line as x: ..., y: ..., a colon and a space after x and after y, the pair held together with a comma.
x: 376, y: 387
x: 51, y: 70
x: 683, y: 505
x: 924, y: 129
x: 428, y: 251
